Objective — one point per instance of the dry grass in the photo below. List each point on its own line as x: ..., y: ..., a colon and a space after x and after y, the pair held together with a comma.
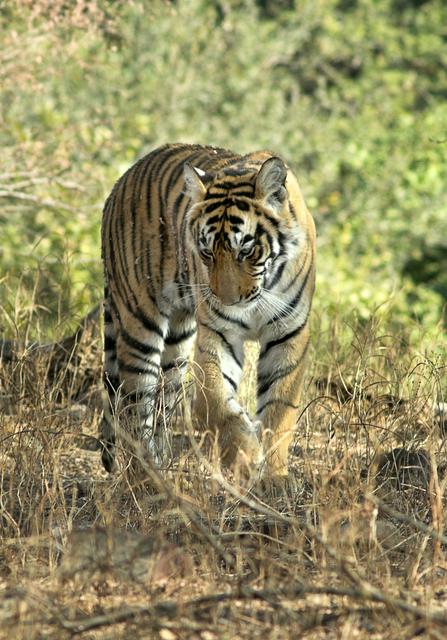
x: 354, y: 547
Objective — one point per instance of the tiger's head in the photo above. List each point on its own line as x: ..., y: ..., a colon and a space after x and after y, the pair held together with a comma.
x: 242, y: 228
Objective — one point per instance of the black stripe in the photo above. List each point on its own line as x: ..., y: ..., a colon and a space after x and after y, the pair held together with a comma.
x: 276, y: 401
x: 282, y: 243
x: 237, y: 220
x: 229, y: 197
x: 230, y: 380
x: 232, y: 185
x: 144, y: 415
x: 130, y: 368
x: 114, y: 308
x: 137, y: 344
x: 195, y: 268
x: 213, y: 220
x: 241, y: 194
x: 175, y: 176
x: 116, y: 260
x: 229, y: 346
x: 236, y: 171
x: 109, y: 343
x: 149, y: 324
x: 215, y: 205
x: 259, y: 231
x: 182, y: 262
x: 263, y: 214
x: 265, y: 382
x: 241, y: 205
x: 122, y: 219
x: 176, y: 206
x: 139, y: 267
x: 297, y: 274
x: 221, y: 315
x: 141, y: 398
x: 175, y: 364
x: 269, y: 240
x: 166, y: 171
x: 292, y: 210
x: 214, y: 196
x: 142, y: 357
x: 211, y: 355
x: 176, y: 339
x: 277, y: 276
x: 295, y: 300
x: 138, y: 172
x: 228, y: 202
x: 287, y: 336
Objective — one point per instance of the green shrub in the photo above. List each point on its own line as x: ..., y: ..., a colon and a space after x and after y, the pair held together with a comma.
x: 351, y: 93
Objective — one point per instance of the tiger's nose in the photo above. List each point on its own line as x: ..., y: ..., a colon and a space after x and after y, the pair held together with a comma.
x: 228, y: 298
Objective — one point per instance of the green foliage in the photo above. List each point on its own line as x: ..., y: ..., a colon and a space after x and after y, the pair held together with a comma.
x: 351, y: 92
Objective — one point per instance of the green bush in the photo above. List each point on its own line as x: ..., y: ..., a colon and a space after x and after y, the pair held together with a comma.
x: 351, y: 92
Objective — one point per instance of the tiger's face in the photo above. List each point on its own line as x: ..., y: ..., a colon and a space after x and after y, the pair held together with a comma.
x: 236, y: 256
x: 236, y: 229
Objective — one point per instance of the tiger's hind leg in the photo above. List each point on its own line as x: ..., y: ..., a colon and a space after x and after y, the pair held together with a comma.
x: 139, y: 346
x: 111, y: 385
x: 133, y: 345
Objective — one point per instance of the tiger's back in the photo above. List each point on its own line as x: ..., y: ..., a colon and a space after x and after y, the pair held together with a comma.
x: 198, y: 238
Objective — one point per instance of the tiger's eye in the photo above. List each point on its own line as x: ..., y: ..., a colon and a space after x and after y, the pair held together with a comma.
x: 245, y: 252
x: 206, y: 255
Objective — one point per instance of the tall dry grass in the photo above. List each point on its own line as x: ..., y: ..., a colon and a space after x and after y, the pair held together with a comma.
x: 352, y: 547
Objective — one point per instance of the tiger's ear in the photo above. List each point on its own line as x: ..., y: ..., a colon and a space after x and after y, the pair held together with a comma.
x: 194, y: 186
x: 270, y: 181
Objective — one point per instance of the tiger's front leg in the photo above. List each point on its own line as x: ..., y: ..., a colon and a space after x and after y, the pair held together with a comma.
x: 280, y: 374
x: 219, y: 362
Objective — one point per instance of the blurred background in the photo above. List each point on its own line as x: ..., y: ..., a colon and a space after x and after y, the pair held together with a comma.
x: 352, y: 93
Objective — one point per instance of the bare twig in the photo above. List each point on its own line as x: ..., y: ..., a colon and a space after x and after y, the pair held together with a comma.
x: 172, y: 608
x: 42, y: 202
x: 411, y: 520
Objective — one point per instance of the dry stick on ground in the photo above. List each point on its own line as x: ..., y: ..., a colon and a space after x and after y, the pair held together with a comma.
x: 172, y: 608
x: 185, y: 507
x: 429, y: 532
x: 364, y: 590
x: 436, y: 505
x: 411, y: 520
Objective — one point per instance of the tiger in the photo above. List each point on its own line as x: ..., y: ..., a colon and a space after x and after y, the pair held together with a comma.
x: 202, y: 246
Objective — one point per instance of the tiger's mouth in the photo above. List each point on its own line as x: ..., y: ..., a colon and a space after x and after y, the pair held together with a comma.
x: 217, y: 301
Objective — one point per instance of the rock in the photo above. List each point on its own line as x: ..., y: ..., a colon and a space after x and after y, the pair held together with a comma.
x: 127, y: 555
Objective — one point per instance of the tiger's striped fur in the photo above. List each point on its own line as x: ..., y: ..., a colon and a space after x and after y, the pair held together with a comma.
x: 200, y: 240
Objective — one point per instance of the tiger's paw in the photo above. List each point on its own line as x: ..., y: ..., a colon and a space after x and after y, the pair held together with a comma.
x: 240, y: 446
